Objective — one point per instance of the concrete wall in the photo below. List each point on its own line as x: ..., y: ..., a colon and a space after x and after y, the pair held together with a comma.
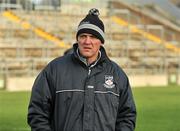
x: 148, y: 80
x: 19, y: 83
x: 25, y: 83
x: 1, y: 83
x: 178, y: 80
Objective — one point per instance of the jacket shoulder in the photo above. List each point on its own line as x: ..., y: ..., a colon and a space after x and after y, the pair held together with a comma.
x: 117, y: 67
x: 118, y: 70
x: 58, y: 63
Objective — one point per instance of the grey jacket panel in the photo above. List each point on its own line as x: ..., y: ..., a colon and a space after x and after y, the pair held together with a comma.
x: 70, y: 96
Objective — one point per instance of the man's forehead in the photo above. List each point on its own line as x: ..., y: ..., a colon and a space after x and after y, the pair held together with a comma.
x: 86, y: 34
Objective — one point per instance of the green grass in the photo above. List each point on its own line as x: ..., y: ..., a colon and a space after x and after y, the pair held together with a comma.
x: 158, y: 109
x: 13, y: 111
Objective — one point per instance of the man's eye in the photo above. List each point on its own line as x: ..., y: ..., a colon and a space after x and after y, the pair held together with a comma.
x: 94, y: 37
x: 82, y: 36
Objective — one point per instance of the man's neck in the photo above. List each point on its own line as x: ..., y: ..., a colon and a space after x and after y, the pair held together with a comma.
x: 92, y: 60
x: 89, y: 61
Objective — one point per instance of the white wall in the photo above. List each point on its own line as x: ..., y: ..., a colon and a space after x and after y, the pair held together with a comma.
x: 25, y: 83
x: 19, y: 83
x: 178, y: 80
x: 148, y: 80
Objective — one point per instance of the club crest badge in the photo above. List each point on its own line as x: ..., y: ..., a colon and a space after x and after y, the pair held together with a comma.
x: 109, y: 81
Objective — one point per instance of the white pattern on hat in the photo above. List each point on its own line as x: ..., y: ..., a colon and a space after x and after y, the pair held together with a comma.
x: 93, y: 27
x: 94, y: 11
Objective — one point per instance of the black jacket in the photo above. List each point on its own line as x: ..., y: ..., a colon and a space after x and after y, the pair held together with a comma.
x: 68, y: 95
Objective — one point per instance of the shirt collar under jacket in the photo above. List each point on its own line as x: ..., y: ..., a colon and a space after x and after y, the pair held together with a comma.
x: 84, y: 60
x: 102, y: 57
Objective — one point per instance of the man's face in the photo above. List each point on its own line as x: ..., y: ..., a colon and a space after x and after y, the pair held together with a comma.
x: 89, y: 46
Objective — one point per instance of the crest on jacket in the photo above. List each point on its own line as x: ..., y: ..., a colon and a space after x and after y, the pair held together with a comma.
x: 108, y: 81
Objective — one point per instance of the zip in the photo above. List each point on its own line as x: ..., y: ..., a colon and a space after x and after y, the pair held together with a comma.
x: 89, y: 71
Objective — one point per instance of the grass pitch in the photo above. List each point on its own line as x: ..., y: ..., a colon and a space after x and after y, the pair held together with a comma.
x: 13, y: 111
x: 158, y: 109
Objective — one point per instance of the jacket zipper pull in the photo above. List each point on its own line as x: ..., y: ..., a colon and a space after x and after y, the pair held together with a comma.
x: 89, y: 71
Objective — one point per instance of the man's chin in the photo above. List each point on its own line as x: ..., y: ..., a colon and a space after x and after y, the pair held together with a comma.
x: 86, y: 55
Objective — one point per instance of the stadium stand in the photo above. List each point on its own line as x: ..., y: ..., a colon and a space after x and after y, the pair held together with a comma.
x: 139, y: 41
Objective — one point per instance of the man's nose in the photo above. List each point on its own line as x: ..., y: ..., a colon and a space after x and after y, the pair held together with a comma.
x: 88, y: 40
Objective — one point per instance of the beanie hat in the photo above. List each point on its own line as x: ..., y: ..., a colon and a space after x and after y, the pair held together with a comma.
x: 92, y: 24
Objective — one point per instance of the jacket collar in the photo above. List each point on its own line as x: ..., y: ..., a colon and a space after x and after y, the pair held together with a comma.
x: 85, y: 61
x: 102, y: 57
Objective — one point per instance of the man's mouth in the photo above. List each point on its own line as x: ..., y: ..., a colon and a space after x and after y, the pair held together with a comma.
x: 87, y: 48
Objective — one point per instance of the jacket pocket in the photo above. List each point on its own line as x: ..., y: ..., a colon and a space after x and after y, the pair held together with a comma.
x: 64, y: 96
x: 108, y: 97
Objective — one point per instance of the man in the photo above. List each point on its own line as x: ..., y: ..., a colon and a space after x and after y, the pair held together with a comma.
x: 83, y: 90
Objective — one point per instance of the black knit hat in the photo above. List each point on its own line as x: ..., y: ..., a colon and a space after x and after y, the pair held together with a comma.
x: 92, y: 24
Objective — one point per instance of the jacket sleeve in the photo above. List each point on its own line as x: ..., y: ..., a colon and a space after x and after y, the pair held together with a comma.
x: 41, y: 104
x: 126, y: 117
